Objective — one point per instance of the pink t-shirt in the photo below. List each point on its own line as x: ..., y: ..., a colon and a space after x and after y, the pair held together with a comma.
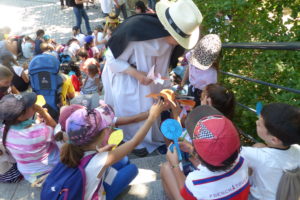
x: 34, y: 149
x: 201, y: 78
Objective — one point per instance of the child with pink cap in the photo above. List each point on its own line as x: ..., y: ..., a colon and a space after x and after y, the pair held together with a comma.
x: 87, y: 130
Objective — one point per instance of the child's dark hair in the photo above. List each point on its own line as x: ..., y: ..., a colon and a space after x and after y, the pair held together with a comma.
x: 283, y: 122
x: 40, y: 32
x: 221, y: 98
x: 93, y: 69
x: 70, y: 41
x: 65, y: 68
x: 8, y: 124
x: 141, y: 5
x: 71, y: 154
x: 27, y: 38
x: 71, y: 66
x: 99, y: 28
x: 87, y: 45
x: 227, y: 164
x: 75, y: 68
x: 83, y: 53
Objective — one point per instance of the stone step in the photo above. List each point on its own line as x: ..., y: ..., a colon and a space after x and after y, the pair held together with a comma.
x: 151, y: 191
x: 148, y: 168
x: 19, y: 191
x: 147, y: 184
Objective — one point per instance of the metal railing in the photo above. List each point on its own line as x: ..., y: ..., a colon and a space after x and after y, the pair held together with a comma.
x: 293, y: 46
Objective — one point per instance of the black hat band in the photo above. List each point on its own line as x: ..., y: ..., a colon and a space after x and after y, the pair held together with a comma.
x: 174, y: 26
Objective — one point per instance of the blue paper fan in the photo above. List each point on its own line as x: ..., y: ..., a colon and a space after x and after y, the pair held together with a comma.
x: 259, y: 107
x: 172, y: 130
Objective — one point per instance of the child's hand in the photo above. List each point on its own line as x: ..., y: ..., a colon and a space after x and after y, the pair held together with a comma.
x: 185, y: 146
x: 38, y: 108
x: 156, y: 109
x: 195, y: 161
x: 172, y: 157
x: 176, y: 110
x: 25, y: 65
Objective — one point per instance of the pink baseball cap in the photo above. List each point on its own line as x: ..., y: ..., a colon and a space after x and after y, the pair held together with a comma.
x: 83, y: 124
x: 215, y: 138
x: 65, y: 113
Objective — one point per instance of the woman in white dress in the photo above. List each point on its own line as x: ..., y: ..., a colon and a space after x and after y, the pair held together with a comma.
x: 140, y: 42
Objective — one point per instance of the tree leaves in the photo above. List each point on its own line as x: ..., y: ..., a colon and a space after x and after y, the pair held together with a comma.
x: 256, y: 21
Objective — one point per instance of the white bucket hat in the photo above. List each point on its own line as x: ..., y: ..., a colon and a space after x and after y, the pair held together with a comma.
x: 182, y: 20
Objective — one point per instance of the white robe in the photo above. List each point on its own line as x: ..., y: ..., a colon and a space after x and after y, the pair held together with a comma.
x: 106, y: 6
x: 126, y: 94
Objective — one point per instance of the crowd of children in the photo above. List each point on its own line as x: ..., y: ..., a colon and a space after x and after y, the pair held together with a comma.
x: 53, y: 150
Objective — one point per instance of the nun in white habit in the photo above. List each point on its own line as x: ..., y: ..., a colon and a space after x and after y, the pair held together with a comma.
x: 140, y: 42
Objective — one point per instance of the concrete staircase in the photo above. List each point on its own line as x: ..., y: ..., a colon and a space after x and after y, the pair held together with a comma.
x: 147, y: 185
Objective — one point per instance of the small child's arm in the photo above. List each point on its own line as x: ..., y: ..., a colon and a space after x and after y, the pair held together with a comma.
x: 121, y: 151
x: 97, y: 81
x: 132, y: 119
x: 45, y: 115
x: 185, y: 77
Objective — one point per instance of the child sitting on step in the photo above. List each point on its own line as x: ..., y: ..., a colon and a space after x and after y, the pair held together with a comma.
x: 31, y: 145
x: 221, y: 172
x: 86, y: 130
x: 91, y: 84
x: 279, y: 127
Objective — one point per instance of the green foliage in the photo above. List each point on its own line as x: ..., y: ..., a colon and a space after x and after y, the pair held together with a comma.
x: 256, y: 21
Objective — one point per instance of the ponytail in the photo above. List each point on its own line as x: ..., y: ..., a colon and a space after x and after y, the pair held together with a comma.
x: 222, y: 99
x: 7, y: 125
x: 71, y: 155
x: 5, y: 131
x: 229, y: 104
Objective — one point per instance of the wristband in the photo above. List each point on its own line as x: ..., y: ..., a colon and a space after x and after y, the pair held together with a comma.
x: 175, y: 166
x: 179, y: 165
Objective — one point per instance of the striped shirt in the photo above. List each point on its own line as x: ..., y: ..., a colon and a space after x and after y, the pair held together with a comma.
x: 222, y: 185
x: 34, y: 149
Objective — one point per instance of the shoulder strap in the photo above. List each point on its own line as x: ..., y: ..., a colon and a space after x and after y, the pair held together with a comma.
x: 83, y: 163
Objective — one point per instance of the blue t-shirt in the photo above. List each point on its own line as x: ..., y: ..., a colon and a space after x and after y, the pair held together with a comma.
x: 37, y: 49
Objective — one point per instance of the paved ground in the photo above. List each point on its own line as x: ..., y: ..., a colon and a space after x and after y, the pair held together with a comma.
x: 27, y: 16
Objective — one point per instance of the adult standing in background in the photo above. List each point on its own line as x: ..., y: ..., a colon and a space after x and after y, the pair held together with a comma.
x: 151, y: 4
x: 80, y: 13
x: 62, y: 4
x: 120, y: 5
x: 106, y: 7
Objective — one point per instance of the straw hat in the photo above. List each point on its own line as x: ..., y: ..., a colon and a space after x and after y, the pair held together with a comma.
x: 166, y: 94
x: 112, y: 18
x: 182, y: 20
x: 171, y: 96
